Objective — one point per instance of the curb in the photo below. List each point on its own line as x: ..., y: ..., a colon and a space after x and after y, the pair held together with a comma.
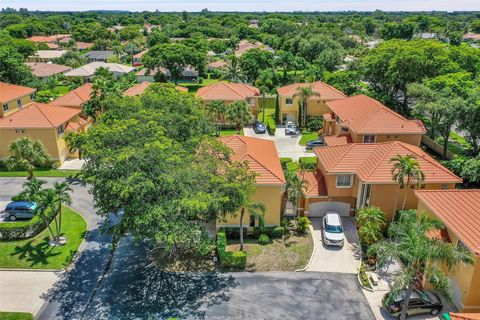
x: 313, y: 252
x: 33, y: 270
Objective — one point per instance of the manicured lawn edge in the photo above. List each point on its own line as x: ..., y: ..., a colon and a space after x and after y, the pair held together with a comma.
x: 41, y: 173
x: 5, y: 315
x: 307, y: 136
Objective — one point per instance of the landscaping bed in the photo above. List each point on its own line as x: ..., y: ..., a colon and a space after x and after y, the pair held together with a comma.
x: 183, y: 262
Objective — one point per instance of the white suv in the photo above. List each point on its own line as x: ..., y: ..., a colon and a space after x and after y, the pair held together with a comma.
x: 333, y: 229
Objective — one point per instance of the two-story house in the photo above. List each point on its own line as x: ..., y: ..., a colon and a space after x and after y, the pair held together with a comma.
x: 351, y: 176
x: 13, y: 97
x: 316, y: 105
x: 361, y: 119
x: 459, y: 210
x: 45, y: 123
x: 75, y: 98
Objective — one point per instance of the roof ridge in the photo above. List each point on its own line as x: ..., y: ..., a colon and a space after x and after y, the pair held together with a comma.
x: 233, y: 89
x: 379, y: 162
x: 332, y: 87
x: 39, y: 109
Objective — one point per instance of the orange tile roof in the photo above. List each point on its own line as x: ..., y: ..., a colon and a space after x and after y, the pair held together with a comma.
x: 10, y: 92
x: 261, y: 156
x: 227, y: 91
x: 84, y: 45
x: 140, y: 88
x: 42, y: 70
x: 53, y: 46
x: 140, y: 54
x: 362, y: 114
x: 338, y: 140
x: 316, y: 186
x: 464, y: 316
x: 38, y: 115
x: 75, y: 98
x: 371, y: 161
x: 217, y: 64
x: 44, y: 39
x: 459, y: 210
x: 326, y: 91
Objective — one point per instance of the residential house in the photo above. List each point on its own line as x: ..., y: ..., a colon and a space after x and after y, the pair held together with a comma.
x: 98, y: 56
x: 229, y: 92
x: 45, y: 70
x: 361, y: 119
x: 81, y: 46
x: 54, y: 39
x: 245, y: 45
x: 459, y: 210
x: 140, y: 88
x: 217, y: 65
x: 352, y: 176
x: 75, y: 98
x: 13, y: 97
x: 137, y: 58
x: 316, y: 105
x: 42, y: 122
x: 262, y: 158
x: 88, y: 71
x: 188, y: 75
x: 46, y: 55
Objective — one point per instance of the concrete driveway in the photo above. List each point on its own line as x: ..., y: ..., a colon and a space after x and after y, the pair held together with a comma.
x: 335, y: 259
x: 287, y: 146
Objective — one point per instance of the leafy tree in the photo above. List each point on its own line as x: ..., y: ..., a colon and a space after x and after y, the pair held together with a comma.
x: 402, y: 30
x: 26, y: 154
x: 217, y: 109
x: 475, y: 26
x: 240, y: 113
x: 12, y: 68
x: 303, y: 93
x: 419, y: 254
x: 321, y: 50
x: 346, y: 81
x: 103, y: 86
x: 406, y: 168
x: 254, y: 61
x: 233, y: 71
x: 286, y: 61
x: 371, y: 222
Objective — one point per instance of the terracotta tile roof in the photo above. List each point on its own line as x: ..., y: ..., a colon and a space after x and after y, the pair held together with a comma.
x: 140, y: 54
x: 38, y: 115
x: 227, y: 91
x: 245, y: 45
x: 464, y: 316
x: 316, y: 186
x: 9, y: 92
x: 338, y: 140
x: 40, y: 39
x: 362, y: 114
x: 326, y: 91
x: 459, y: 210
x: 261, y: 155
x: 218, y: 64
x: 141, y: 87
x: 52, y: 46
x: 42, y: 70
x: 75, y: 98
x: 84, y: 45
x: 371, y: 161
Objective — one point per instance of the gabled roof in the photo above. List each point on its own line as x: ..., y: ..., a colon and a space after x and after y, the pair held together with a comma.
x: 371, y: 161
x: 365, y: 115
x: 326, y: 91
x: 217, y: 64
x: 42, y: 70
x: 464, y: 316
x: 9, y: 92
x: 140, y: 88
x: 49, y: 54
x: 84, y: 45
x: 316, y: 186
x: 75, y: 98
x: 89, y: 69
x: 459, y: 209
x: 338, y: 140
x: 140, y: 54
x: 245, y: 45
x: 261, y: 156
x: 38, y: 115
x: 227, y: 91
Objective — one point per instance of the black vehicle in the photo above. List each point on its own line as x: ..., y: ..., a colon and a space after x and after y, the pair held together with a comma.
x: 315, y: 143
x: 259, y: 127
x: 421, y: 301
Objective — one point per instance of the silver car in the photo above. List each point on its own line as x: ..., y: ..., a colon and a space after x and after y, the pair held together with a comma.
x: 333, y: 234
x: 290, y: 128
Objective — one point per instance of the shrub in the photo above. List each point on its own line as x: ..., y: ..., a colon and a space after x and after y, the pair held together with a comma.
x: 199, y: 80
x: 314, y: 123
x: 234, y: 233
x: 271, y: 126
x: 235, y: 260
x: 272, y: 232
x: 263, y: 239
x: 23, y: 229
x: 302, y: 224
x: 284, y: 162
x: 293, y: 166
x: 55, y: 165
x: 308, y: 163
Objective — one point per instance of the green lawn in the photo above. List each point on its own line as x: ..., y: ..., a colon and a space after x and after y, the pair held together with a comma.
x: 229, y: 132
x: 15, y: 316
x: 61, y: 90
x: 193, y: 87
x: 307, y: 136
x: 269, y: 112
x: 40, y: 172
x: 36, y: 253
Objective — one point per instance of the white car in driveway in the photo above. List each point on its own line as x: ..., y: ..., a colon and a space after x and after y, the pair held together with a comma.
x: 333, y: 232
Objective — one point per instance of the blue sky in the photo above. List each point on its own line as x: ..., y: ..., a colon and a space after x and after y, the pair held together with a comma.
x: 245, y: 5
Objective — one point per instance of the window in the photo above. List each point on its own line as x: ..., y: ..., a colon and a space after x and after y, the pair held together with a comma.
x: 32, y: 96
x: 369, y: 139
x: 289, y: 101
x: 61, y: 129
x: 19, y: 104
x: 252, y: 221
x: 250, y: 101
x: 344, y: 180
x: 5, y: 107
x: 338, y: 119
x: 19, y: 130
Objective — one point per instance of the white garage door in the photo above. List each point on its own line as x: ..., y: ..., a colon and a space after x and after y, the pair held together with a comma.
x: 318, y: 209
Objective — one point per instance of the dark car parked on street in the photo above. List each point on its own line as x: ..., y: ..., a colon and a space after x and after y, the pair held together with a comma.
x: 315, y: 143
x: 20, y: 210
x: 259, y: 127
x: 421, y: 301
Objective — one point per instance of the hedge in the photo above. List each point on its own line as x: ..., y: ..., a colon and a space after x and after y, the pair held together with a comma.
x: 235, y: 260
x: 271, y: 126
x: 272, y: 232
x: 308, y: 162
x: 19, y: 230
x: 284, y: 162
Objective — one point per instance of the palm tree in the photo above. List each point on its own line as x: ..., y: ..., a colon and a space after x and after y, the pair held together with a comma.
x: 233, y: 72
x: 264, y: 82
x: 303, y: 94
x: 62, y: 190
x: 405, y: 167
x: 254, y: 209
x: 28, y: 154
x: 217, y: 109
x: 295, y: 189
x: 371, y: 222
x: 240, y: 113
x: 46, y: 201
x: 419, y: 254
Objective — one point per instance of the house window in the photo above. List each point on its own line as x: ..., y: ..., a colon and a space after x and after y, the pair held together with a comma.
x: 252, y: 221
x: 250, y: 100
x: 289, y: 101
x: 344, y: 180
x: 5, y: 107
x: 19, y: 130
x: 32, y: 96
x: 444, y: 186
x: 369, y: 139
x: 61, y: 129
x: 19, y: 104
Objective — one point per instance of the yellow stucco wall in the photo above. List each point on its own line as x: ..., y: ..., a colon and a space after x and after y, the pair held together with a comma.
x: 271, y: 197
x: 47, y: 136
x: 315, y: 107
x: 13, y: 106
x: 254, y: 105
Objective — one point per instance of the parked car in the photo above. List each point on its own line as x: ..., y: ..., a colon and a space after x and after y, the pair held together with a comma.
x: 333, y: 229
x: 259, y: 127
x: 20, y: 210
x: 315, y: 143
x: 290, y: 128
x: 421, y: 301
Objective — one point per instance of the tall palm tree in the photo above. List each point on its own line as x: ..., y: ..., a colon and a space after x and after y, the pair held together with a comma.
x: 233, y: 71
x: 371, y: 222
x: 217, y: 109
x: 31, y: 189
x: 419, y: 254
x: 264, y: 82
x: 28, y: 154
x: 254, y: 209
x: 240, y: 113
x: 303, y: 94
x: 62, y: 191
x: 295, y: 189
x: 405, y: 168
x: 46, y: 202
